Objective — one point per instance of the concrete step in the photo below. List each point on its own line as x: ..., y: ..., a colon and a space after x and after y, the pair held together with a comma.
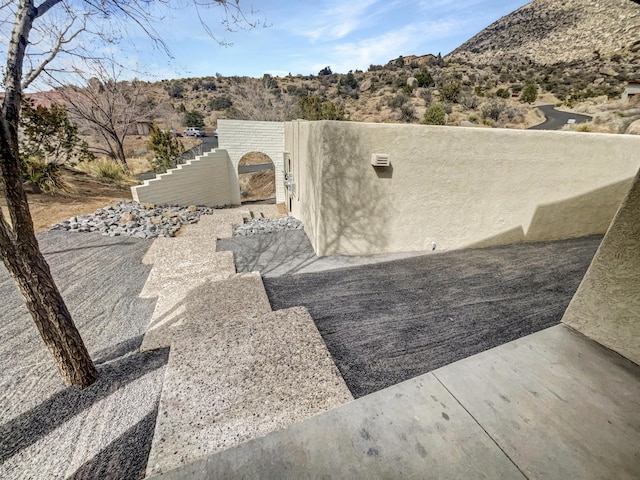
x: 231, y: 378
x: 186, y: 246
x: 217, y: 225
x: 187, y: 266
x: 553, y: 404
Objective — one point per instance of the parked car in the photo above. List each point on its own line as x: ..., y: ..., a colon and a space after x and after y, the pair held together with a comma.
x: 215, y: 133
x: 194, y: 132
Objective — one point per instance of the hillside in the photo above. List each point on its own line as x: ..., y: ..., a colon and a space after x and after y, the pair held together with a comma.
x: 548, y: 32
x: 573, y: 53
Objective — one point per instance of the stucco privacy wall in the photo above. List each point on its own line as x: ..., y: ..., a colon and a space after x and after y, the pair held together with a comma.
x: 239, y: 137
x: 606, y: 306
x: 458, y: 187
x: 206, y: 180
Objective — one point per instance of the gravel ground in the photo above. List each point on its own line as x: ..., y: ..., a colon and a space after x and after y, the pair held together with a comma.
x: 387, y: 322
x: 48, y: 430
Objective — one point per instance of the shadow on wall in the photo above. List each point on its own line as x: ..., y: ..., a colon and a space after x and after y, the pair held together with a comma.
x: 355, y: 195
x: 567, y: 218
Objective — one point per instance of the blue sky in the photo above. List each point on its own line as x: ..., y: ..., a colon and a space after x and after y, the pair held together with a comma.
x: 305, y: 36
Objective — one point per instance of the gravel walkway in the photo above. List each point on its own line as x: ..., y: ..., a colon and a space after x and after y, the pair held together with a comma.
x: 50, y: 431
x: 388, y: 322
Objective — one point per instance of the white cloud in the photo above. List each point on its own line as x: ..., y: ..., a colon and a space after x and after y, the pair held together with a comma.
x: 379, y: 50
x: 339, y: 20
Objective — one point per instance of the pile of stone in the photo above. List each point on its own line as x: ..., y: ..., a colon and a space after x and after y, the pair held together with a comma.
x: 260, y: 226
x: 129, y: 218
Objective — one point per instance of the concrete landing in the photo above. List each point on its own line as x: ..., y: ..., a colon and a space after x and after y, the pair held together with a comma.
x: 233, y: 378
x: 553, y: 404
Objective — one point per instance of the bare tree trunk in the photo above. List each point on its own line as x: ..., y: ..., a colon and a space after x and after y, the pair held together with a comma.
x: 26, y: 264
x: 18, y: 244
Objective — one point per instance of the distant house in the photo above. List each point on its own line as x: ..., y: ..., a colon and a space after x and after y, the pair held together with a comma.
x: 632, y: 91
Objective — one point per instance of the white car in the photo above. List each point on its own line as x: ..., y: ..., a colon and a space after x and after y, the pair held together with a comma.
x: 193, y: 132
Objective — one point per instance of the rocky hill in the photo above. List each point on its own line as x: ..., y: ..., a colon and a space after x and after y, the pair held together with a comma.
x: 547, y: 32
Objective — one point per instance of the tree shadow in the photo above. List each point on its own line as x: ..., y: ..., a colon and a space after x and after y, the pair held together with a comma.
x: 26, y: 429
x: 124, y: 458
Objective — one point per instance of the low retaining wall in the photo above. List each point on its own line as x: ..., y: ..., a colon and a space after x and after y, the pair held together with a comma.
x: 453, y: 187
x: 208, y: 180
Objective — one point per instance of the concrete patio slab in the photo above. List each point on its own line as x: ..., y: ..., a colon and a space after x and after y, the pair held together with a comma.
x: 558, y: 404
x: 415, y: 429
x: 553, y: 404
x: 237, y: 378
x: 185, y: 266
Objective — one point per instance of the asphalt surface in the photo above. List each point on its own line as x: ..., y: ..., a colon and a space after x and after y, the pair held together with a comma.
x: 48, y: 430
x: 556, y: 119
x: 387, y: 322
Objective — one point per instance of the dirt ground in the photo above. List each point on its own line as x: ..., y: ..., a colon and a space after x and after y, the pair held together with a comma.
x: 86, y: 196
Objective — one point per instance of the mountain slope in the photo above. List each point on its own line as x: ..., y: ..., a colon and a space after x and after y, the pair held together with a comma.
x: 557, y: 31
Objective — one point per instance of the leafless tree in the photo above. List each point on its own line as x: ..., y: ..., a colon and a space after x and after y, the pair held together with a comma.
x: 262, y: 100
x: 108, y: 109
x: 39, y: 33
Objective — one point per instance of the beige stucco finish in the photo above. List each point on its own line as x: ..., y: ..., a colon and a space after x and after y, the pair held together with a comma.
x: 457, y: 187
x: 606, y: 306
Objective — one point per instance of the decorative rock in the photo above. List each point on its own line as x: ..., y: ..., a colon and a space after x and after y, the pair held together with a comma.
x: 133, y: 219
x: 261, y: 226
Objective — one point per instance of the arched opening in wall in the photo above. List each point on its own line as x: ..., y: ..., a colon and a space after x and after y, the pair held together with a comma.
x: 257, y: 178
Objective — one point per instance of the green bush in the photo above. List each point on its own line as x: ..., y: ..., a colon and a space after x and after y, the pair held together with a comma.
x: 530, y: 93
x: 193, y: 118
x: 425, y: 79
x: 450, y: 90
x: 220, y: 103
x: 503, y: 93
x: 315, y: 108
x: 43, y: 177
x: 435, y: 115
x: 165, y: 147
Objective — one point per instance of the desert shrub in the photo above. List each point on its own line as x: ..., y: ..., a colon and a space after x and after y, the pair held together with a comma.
x: 209, y: 85
x: 166, y: 148
x: 408, y: 89
x: 426, y: 95
x: 349, y: 80
x: 398, y: 100
x: 407, y: 113
x: 503, y: 93
x: 425, y: 79
x: 492, y: 109
x: 530, y: 93
x: 269, y: 81
x: 42, y: 176
x: 450, y: 89
x: 435, y: 115
x: 315, y: 108
x: 193, y: 118
x: 175, y: 90
x: 108, y: 170
x: 220, y: 103
x: 469, y: 101
x: 325, y: 71
x: 513, y: 114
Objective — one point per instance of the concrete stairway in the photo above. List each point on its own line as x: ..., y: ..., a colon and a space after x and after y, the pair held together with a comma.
x: 551, y: 405
x: 236, y: 369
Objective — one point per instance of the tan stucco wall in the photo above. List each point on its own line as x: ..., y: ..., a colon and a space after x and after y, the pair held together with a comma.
x: 458, y: 187
x: 207, y: 180
x: 606, y: 306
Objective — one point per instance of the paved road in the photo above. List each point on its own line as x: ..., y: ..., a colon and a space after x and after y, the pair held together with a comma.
x: 556, y: 119
x: 255, y: 168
